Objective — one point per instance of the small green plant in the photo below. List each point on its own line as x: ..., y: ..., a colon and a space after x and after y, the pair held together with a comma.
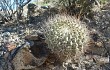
x: 65, y: 35
x: 73, y: 7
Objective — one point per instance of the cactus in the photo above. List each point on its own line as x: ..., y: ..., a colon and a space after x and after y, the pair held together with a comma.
x: 66, y: 35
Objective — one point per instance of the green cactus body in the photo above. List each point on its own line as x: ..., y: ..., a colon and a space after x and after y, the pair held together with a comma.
x: 66, y: 35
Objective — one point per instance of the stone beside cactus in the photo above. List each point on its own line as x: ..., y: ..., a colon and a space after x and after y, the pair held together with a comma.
x: 66, y: 35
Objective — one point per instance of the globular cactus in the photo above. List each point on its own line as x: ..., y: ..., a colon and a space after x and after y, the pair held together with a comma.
x: 66, y: 35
